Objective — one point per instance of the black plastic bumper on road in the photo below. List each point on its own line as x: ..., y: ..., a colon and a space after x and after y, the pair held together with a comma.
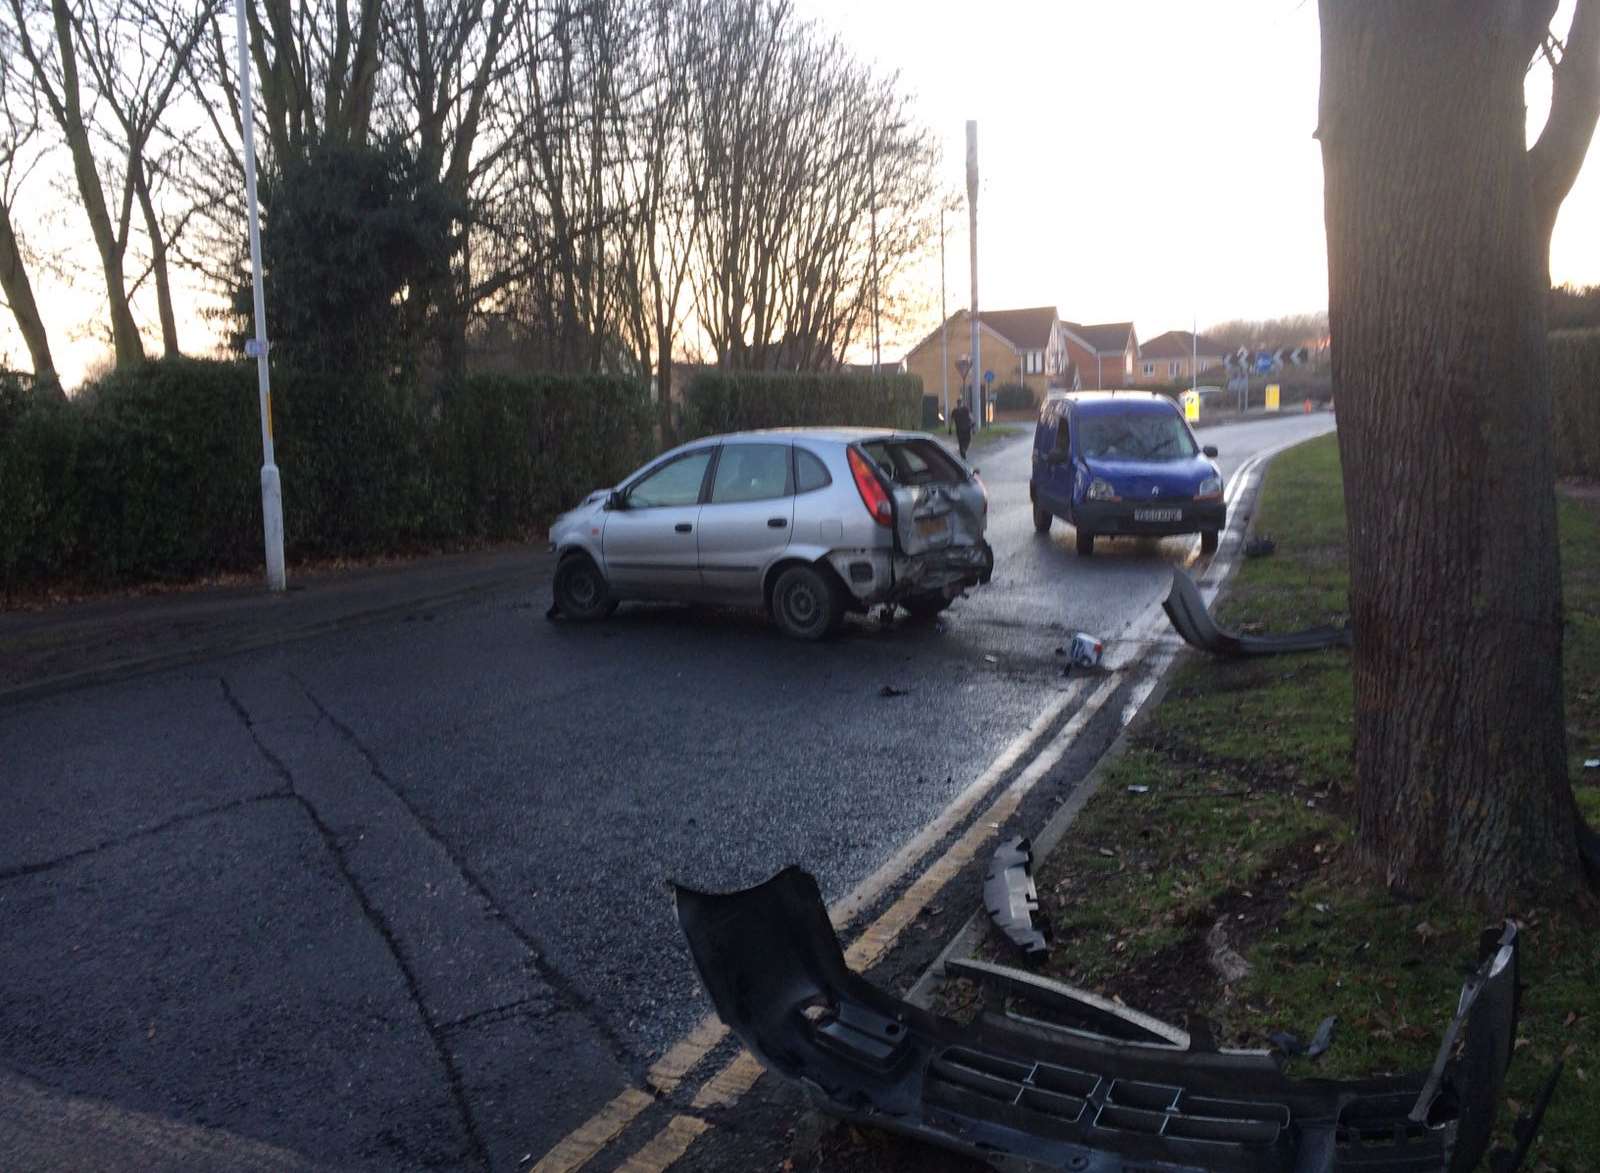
x: 1116, y: 518
x: 1069, y: 1095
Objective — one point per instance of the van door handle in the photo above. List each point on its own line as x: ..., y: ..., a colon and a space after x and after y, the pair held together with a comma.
x: 777, y: 522
x: 683, y: 527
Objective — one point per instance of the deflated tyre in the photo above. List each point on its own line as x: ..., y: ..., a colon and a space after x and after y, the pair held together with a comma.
x: 581, y: 590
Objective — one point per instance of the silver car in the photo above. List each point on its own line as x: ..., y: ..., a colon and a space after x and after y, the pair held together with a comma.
x: 810, y: 523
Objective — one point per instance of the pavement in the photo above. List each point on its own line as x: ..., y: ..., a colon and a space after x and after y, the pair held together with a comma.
x: 373, y: 874
x: 54, y: 649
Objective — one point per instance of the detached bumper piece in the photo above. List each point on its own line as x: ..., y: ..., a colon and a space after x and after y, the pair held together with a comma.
x: 1075, y: 1085
x: 1188, y: 613
x: 1010, y: 898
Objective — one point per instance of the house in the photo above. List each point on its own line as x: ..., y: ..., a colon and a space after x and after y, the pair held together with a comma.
x: 1167, y: 357
x: 1020, y: 346
x: 1104, y: 354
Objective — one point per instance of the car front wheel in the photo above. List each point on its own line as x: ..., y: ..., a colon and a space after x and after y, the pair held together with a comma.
x: 581, y: 590
x: 1085, y: 542
x: 804, y: 605
x: 1041, y: 519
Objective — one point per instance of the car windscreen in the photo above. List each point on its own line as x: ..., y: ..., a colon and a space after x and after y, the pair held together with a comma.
x: 1135, y: 436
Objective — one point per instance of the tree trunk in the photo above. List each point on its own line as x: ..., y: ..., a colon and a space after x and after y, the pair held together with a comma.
x: 158, y: 262
x: 127, y: 344
x: 19, y: 293
x: 1436, y: 311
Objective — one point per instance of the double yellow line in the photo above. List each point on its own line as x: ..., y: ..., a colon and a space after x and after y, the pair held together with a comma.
x: 732, y: 1081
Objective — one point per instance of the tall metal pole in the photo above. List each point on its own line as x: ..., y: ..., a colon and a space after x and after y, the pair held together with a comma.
x: 271, y: 490
x: 944, y: 325
x: 872, y: 162
x: 972, y: 232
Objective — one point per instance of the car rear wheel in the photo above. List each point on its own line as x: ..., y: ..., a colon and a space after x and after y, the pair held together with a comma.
x: 1085, y: 542
x: 581, y: 590
x: 927, y: 606
x: 804, y: 605
x: 1208, y: 541
x: 1041, y: 519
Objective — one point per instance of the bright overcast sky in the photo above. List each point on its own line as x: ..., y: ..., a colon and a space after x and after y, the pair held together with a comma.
x: 1146, y: 159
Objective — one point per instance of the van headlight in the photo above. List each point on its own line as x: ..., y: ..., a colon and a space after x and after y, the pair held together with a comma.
x: 1210, y: 489
x: 1101, y: 490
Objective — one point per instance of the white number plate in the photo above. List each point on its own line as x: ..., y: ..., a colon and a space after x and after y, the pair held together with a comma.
x: 1158, y: 515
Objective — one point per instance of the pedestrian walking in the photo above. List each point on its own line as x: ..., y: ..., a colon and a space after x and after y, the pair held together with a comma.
x: 961, y: 417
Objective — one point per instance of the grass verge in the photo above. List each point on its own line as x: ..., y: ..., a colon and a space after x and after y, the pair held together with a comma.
x: 1237, y: 842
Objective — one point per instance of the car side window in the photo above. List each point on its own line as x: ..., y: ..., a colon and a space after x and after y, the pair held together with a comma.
x: 751, y: 472
x: 677, y: 483
x: 810, y: 473
x: 1063, y: 437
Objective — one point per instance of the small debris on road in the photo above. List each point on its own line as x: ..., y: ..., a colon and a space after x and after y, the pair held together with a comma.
x: 1138, y: 790
x: 991, y: 659
x: 891, y: 690
x: 1086, y: 650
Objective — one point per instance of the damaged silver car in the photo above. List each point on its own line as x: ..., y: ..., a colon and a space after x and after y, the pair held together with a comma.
x: 810, y: 524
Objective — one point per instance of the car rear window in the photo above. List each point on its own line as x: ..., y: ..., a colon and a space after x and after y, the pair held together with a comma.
x: 810, y: 472
x: 1131, y: 435
x: 914, y: 462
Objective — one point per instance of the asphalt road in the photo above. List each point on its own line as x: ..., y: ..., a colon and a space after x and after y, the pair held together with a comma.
x: 395, y: 898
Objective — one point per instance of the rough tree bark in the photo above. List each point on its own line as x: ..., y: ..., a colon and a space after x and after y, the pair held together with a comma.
x: 1436, y: 309
x: 19, y: 296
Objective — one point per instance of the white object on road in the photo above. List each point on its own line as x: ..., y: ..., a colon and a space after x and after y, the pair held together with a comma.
x: 1086, y: 650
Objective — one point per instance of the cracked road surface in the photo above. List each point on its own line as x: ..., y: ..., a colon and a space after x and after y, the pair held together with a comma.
x: 394, y: 898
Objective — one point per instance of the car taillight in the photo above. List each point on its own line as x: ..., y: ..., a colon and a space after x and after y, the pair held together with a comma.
x: 873, y: 495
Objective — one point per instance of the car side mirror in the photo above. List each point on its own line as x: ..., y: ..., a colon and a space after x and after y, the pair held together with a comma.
x: 1210, y: 450
x: 616, y: 501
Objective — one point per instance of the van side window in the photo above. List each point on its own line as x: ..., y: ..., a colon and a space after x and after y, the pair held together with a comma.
x: 1063, y: 437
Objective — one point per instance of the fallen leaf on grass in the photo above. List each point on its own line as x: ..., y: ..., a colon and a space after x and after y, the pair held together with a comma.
x: 1108, y: 853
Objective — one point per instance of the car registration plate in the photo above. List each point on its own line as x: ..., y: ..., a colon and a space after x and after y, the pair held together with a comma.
x: 1158, y: 515
x: 934, y: 527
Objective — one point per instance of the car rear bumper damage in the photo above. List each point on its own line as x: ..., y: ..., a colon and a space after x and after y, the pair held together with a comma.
x: 881, y: 576
x: 1085, y: 1090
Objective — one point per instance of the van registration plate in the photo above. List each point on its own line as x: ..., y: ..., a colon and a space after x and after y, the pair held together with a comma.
x: 1158, y: 515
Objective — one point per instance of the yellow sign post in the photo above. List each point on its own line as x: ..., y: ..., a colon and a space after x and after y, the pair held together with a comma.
x: 1272, y: 397
x: 1191, y: 406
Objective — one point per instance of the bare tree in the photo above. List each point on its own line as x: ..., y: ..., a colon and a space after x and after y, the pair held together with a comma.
x: 134, y: 57
x: 1438, y: 223
x: 19, y: 109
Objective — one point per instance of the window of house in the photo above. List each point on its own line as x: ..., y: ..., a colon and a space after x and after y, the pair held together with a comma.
x: 1174, y: 368
x: 1149, y: 369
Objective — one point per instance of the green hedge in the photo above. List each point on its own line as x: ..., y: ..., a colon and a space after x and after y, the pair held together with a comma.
x: 154, y: 473
x: 1575, y: 387
x: 1015, y: 397
x: 734, y: 401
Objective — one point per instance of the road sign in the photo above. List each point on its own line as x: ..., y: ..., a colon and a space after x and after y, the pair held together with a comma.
x: 1272, y: 397
x: 988, y: 376
x: 1263, y: 362
x: 963, y: 365
x: 1191, y: 406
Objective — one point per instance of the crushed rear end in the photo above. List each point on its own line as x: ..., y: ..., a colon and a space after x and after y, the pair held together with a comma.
x: 939, y: 511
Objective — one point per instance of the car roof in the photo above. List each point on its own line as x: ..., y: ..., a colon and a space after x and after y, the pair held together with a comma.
x: 1117, y: 402
x: 837, y: 435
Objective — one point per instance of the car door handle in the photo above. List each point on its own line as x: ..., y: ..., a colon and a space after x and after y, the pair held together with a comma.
x: 683, y: 527
x: 777, y: 522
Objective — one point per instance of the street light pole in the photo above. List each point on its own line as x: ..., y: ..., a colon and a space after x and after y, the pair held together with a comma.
x: 944, y: 325
x: 271, y: 489
x: 872, y: 163
x: 972, y: 219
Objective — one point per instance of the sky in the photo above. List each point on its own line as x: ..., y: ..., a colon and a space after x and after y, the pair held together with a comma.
x: 1144, y: 160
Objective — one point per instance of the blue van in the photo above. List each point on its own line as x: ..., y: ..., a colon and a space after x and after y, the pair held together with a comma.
x: 1126, y: 464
